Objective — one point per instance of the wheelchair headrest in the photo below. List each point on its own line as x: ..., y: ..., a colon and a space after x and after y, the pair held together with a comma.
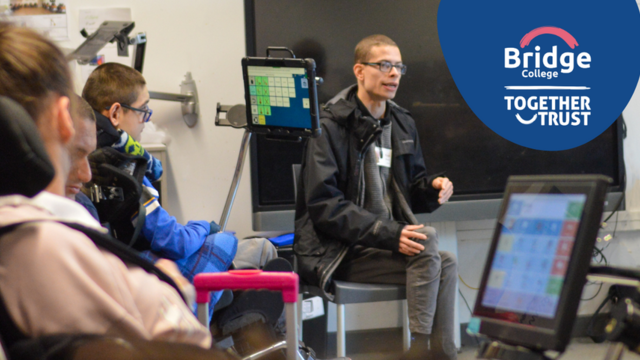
x: 25, y: 168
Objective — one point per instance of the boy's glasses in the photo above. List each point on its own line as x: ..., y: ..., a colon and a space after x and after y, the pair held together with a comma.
x: 145, y: 110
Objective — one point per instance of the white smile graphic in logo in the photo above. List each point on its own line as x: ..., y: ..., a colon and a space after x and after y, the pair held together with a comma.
x: 552, y: 110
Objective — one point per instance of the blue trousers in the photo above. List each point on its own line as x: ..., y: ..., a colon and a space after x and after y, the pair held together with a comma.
x: 215, y: 255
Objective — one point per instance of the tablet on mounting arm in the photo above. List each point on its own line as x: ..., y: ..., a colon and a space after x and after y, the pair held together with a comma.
x: 539, y: 258
x: 281, y: 96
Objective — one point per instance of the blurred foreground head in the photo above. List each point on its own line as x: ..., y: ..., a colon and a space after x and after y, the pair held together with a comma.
x: 34, y: 73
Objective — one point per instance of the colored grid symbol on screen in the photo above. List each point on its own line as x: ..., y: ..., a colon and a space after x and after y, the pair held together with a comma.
x: 574, y: 210
x: 554, y: 286
x: 564, y: 247
x: 569, y: 228
x: 559, y: 267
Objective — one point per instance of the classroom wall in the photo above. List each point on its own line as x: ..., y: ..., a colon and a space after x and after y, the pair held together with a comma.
x: 207, y: 39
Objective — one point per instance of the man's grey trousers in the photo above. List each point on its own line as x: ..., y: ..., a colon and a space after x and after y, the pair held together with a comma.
x: 430, y: 277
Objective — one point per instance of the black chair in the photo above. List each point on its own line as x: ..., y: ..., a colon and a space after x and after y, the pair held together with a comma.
x: 356, y: 293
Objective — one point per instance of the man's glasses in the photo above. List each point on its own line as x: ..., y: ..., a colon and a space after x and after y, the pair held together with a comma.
x: 386, y: 66
x: 145, y: 110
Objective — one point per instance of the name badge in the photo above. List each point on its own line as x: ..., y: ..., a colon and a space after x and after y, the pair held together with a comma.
x: 384, y: 157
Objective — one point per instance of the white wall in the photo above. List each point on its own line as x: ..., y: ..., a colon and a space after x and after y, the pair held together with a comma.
x: 207, y: 39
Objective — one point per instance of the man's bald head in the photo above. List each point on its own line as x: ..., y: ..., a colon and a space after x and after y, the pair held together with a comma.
x: 82, y: 144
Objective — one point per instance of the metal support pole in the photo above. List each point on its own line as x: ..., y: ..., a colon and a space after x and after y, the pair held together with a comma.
x: 275, y: 347
x: 203, y: 314
x: 342, y: 347
x: 188, y: 97
x: 615, y: 351
x: 299, y: 308
x: 292, y: 332
x: 157, y: 95
x: 406, y: 333
x: 236, y: 180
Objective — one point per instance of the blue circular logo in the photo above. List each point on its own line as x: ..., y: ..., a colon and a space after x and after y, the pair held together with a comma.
x: 547, y: 75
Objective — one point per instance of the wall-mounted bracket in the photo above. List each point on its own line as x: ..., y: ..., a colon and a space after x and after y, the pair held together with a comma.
x: 188, y: 97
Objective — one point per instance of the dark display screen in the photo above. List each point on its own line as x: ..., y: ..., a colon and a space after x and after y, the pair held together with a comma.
x: 453, y: 139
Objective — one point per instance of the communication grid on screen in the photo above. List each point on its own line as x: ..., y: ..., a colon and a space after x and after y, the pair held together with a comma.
x: 539, y: 257
x: 279, y: 96
x: 532, y: 257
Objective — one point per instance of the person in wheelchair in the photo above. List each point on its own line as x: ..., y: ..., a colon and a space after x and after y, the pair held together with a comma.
x: 115, y: 91
x: 55, y: 277
x: 235, y: 317
x: 83, y: 144
x: 119, y: 97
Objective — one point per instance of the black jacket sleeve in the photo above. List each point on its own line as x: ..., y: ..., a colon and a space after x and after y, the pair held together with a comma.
x: 424, y: 198
x: 333, y: 215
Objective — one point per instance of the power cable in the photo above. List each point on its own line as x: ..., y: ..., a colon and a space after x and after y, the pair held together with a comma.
x: 594, y: 296
x: 470, y: 313
x: 467, y: 285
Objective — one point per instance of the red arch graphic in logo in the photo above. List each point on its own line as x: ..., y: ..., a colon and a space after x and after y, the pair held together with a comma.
x: 568, y: 38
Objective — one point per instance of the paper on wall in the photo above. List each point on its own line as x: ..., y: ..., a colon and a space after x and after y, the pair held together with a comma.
x: 49, y: 22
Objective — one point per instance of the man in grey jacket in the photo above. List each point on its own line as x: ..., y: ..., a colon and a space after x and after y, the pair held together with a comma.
x: 362, y: 181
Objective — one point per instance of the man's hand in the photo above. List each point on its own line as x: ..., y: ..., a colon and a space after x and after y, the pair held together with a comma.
x: 408, y: 246
x: 445, y: 186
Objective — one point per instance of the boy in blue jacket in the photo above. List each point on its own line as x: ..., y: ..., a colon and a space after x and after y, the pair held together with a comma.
x: 119, y: 96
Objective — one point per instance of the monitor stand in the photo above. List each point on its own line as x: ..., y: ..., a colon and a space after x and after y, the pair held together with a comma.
x: 236, y: 179
x: 224, y: 219
x: 500, y: 351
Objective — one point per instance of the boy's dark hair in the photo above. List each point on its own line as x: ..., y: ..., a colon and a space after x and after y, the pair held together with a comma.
x: 112, y: 83
x: 32, y: 69
x: 364, y: 46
